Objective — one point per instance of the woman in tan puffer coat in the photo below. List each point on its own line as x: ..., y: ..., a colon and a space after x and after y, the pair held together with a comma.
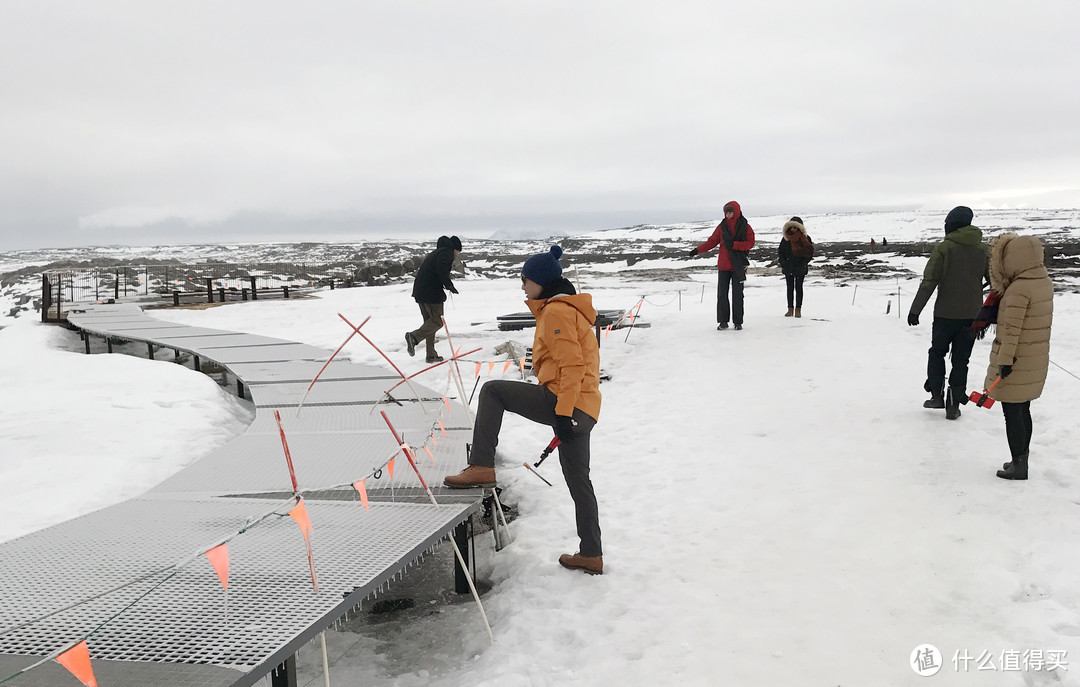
x: 1021, y: 350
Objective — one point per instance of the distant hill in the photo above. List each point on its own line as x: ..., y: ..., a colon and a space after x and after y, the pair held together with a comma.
x: 526, y: 234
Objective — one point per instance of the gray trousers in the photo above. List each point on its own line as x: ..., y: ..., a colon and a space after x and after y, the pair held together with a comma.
x: 537, y: 403
x: 433, y: 314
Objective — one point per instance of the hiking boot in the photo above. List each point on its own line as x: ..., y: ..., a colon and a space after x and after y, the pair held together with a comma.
x: 434, y: 358
x: 593, y: 565
x: 722, y: 325
x: 936, y: 401
x: 410, y: 345
x: 471, y: 477
x: 1017, y: 469
x: 738, y: 327
x: 790, y: 311
x: 798, y: 312
x: 952, y: 405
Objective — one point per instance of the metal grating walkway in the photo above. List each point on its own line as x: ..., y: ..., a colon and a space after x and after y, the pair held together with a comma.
x: 180, y: 627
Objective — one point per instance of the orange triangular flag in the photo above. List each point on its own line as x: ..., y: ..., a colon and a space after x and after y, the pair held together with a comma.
x: 362, y: 490
x: 434, y: 440
x: 507, y: 365
x: 390, y: 468
x: 457, y: 353
x: 299, y: 514
x: 491, y: 366
x: 446, y: 400
x: 442, y: 429
x: 77, y: 661
x: 219, y: 558
x: 477, y: 373
x: 432, y: 455
x: 522, y: 364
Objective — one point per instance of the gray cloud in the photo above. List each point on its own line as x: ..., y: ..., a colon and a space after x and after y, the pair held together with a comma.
x: 132, y: 122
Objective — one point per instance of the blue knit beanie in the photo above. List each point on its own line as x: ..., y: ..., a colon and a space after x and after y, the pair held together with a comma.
x: 543, y: 267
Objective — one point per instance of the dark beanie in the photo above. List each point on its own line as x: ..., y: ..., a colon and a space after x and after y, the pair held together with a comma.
x: 959, y: 216
x: 796, y: 218
x: 543, y: 267
x: 455, y: 243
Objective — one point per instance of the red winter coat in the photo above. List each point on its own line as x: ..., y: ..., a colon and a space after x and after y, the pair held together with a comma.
x: 723, y: 259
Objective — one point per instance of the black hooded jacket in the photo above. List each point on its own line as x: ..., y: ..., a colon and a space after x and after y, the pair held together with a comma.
x: 434, y: 274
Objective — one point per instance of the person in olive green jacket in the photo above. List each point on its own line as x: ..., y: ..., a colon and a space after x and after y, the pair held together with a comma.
x: 958, y: 267
x: 566, y: 360
x: 1021, y: 350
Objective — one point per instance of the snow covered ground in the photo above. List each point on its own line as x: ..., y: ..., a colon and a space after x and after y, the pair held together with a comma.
x: 777, y: 507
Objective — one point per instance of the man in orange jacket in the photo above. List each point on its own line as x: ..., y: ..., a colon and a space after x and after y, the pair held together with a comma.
x: 566, y: 360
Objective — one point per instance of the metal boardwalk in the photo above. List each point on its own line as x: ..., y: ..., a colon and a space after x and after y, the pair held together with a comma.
x: 113, y: 574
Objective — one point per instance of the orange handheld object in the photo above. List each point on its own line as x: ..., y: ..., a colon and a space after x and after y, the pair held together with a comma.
x: 983, y: 400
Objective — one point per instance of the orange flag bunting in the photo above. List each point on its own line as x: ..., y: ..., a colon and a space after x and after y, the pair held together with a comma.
x: 446, y: 400
x: 491, y: 366
x: 507, y: 365
x: 522, y: 364
x: 430, y: 454
x: 77, y: 661
x: 219, y: 558
x: 362, y: 490
x: 299, y: 514
x: 442, y: 429
x: 477, y: 373
x: 390, y: 468
x: 433, y: 440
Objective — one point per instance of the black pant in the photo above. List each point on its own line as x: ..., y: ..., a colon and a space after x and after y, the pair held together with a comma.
x: 1017, y: 426
x: 537, y: 403
x: 794, y: 289
x: 724, y: 312
x: 949, y: 334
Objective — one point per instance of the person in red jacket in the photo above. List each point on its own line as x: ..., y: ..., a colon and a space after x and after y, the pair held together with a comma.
x: 735, y: 238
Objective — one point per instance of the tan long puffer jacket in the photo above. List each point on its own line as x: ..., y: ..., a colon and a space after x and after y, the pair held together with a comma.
x: 1025, y: 314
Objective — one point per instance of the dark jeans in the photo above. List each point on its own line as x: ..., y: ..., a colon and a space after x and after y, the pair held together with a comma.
x: 724, y: 312
x: 537, y: 403
x: 794, y: 289
x: 1017, y: 426
x: 949, y: 334
x: 433, y: 314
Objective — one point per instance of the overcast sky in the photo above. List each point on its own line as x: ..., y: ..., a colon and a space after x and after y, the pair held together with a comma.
x: 146, y: 121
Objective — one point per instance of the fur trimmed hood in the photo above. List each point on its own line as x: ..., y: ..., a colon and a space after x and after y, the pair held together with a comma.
x: 1015, y: 257
x: 792, y: 229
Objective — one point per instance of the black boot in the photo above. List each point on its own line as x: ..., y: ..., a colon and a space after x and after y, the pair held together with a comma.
x: 1017, y: 469
x: 952, y: 405
x: 937, y: 396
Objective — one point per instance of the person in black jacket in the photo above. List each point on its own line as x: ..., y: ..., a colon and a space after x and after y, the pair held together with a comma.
x: 432, y: 277
x: 795, y: 250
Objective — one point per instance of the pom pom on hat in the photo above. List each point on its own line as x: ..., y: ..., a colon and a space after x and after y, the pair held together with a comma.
x: 543, y: 267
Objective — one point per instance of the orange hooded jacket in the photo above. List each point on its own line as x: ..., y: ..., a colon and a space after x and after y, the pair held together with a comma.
x: 566, y: 355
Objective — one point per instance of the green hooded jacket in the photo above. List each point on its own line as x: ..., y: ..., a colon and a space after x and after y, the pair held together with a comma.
x: 957, y: 268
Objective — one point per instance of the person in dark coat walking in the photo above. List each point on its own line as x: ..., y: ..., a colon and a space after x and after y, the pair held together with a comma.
x: 735, y: 238
x: 431, y: 278
x: 957, y: 268
x: 796, y: 250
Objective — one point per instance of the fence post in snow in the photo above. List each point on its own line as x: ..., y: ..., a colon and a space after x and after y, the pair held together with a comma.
x: 853, y: 294
x: 209, y: 290
x: 254, y: 291
x: 116, y: 285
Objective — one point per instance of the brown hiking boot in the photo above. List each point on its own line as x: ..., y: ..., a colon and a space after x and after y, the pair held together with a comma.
x: 790, y: 312
x: 798, y: 312
x: 471, y: 477
x: 593, y: 565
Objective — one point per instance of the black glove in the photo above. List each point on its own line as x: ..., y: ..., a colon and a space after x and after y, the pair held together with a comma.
x: 692, y: 253
x: 564, y: 428
x: 912, y: 319
x: 1006, y: 370
x: 453, y: 290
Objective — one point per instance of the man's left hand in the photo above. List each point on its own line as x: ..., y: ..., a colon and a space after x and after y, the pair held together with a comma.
x: 564, y: 428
